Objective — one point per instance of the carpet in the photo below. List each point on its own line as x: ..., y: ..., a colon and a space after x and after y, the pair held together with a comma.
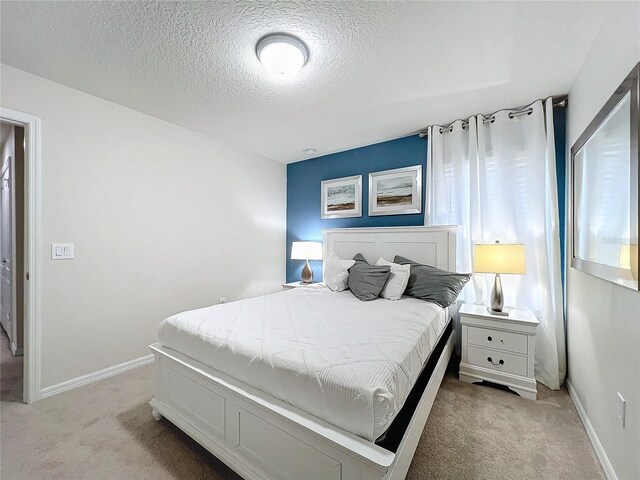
x: 105, y: 431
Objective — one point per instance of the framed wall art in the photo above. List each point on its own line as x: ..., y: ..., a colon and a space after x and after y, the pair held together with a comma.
x: 396, y: 192
x: 342, y: 197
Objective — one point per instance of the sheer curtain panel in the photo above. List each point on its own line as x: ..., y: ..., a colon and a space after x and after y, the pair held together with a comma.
x: 496, y: 178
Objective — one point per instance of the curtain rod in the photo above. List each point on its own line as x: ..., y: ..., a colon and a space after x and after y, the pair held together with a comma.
x: 560, y: 101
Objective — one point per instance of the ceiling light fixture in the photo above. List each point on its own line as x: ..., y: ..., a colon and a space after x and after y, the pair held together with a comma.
x: 282, y: 55
x: 310, y: 151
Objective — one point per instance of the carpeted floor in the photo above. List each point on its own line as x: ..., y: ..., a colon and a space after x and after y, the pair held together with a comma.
x: 105, y: 431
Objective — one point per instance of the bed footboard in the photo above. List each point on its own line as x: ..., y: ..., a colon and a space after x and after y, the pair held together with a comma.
x: 260, y: 436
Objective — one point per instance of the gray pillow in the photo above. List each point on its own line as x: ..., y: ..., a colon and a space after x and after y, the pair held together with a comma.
x: 367, y: 281
x: 432, y: 284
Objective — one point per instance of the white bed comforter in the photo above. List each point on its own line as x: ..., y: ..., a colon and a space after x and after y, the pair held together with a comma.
x: 348, y: 362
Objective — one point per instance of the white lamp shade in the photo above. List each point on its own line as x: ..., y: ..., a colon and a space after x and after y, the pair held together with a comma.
x: 306, y: 251
x: 625, y: 256
x: 499, y: 258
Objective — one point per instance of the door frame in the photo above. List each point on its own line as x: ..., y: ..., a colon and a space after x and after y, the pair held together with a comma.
x: 32, y: 249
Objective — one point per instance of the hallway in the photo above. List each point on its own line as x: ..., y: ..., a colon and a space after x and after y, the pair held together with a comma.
x: 10, y: 372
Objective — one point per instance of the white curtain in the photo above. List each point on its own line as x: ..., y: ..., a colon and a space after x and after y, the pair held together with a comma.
x: 496, y: 178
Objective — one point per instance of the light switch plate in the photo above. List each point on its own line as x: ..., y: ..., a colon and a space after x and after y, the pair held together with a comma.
x: 62, y: 251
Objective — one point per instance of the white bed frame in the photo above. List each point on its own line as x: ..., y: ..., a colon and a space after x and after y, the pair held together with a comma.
x: 258, y: 435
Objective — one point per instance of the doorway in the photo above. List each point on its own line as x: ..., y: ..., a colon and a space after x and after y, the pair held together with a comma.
x: 12, y: 225
x: 21, y: 249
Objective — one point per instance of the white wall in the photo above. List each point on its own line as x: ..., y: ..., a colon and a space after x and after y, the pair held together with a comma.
x: 6, y: 141
x: 163, y: 220
x: 603, y: 319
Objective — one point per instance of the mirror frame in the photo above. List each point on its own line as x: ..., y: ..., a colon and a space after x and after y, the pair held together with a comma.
x: 621, y: 276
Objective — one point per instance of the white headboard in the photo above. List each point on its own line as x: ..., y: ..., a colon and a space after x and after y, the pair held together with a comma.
x: 434, y: 246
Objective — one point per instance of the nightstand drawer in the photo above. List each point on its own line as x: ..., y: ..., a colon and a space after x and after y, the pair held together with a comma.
x: 484, y: 337
x: 499, y: 361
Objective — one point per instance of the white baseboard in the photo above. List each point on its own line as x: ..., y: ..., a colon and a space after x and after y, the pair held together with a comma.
x: 602, y: 456
x: 95, y: 376
x: 15, y: 351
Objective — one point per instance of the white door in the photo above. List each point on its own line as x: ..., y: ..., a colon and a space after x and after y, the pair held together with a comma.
x: 6, y: 250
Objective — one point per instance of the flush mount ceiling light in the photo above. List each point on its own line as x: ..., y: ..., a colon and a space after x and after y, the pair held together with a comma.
x: 310, y: 151
x: 282, y: 55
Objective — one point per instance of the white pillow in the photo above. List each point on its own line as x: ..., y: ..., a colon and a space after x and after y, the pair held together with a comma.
x: 398, y: 279
x: 335, y: 272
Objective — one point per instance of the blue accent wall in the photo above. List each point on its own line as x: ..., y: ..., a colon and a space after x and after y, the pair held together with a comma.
x: 303, y: 192
x: 303, y: 188
x: 560, y: 133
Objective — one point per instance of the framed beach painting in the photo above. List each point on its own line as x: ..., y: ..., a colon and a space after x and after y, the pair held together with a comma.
x: 396, y: 192
x: 342, y: 197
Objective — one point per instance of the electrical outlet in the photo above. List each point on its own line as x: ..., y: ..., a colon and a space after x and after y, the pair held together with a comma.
x: 622, y: 407
x: 222, y: 300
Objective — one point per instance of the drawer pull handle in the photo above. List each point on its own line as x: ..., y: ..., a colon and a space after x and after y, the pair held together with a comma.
x: 499, y: 364
x: 489, y: 338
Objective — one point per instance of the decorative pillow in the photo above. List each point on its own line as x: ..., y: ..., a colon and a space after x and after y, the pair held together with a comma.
x: 367, y: 281
x: 335, y: 272
x: 432, y: 284
x: 398, y: 279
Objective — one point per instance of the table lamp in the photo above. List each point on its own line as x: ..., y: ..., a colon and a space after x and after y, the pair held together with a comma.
x: 624, y: 259
x: 306, y: 251
x: 499, y: 258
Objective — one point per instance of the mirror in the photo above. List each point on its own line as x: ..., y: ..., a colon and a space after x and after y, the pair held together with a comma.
x: 604, y: 186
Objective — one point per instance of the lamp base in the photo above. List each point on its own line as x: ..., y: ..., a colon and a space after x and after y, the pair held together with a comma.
x: 497, y: 297
x: 307, y: 273
x: 502, y: 313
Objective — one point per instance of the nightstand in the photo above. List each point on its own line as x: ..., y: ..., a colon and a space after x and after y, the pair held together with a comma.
x: 290, y: 285
x: 499, y: 349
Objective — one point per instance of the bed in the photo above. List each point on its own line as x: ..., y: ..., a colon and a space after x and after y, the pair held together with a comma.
x: 311, y: 383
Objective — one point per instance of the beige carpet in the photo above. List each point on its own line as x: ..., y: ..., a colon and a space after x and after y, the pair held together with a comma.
x: 105, y: 431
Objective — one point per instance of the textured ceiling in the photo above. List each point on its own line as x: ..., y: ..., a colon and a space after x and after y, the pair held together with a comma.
x: 377, y: 70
